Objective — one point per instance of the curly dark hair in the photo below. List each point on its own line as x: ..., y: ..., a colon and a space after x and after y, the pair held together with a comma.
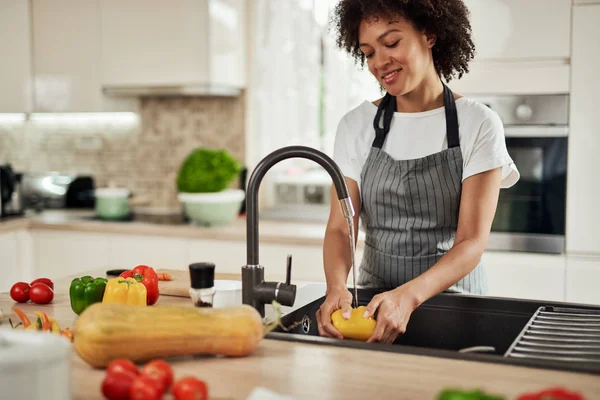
x: 448, y: 20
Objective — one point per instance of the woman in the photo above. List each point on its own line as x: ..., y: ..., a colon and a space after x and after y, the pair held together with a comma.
x: 423, y: 165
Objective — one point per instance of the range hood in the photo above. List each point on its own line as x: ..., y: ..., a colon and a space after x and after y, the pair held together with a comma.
x: 173, y: 48
x: 209, y: 90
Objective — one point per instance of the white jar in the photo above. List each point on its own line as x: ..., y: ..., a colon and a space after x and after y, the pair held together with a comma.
x: 34, y: 365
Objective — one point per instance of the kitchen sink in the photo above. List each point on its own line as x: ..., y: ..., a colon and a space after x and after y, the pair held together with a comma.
x: 453, y: 326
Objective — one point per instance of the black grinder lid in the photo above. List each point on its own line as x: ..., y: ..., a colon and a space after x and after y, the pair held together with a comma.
x: 202, y: 275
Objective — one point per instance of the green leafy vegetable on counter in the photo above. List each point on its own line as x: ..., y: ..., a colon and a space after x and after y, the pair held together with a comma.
x: 86, y: 291
x: 207, y: 171
x: 454, y: 394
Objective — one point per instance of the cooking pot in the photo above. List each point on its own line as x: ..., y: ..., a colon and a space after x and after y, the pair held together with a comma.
x: 112, y: 203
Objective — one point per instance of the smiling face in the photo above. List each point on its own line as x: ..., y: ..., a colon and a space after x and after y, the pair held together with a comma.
x: 397, y: 54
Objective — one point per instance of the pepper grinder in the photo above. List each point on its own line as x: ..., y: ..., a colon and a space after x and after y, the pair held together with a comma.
x: 202, y: 282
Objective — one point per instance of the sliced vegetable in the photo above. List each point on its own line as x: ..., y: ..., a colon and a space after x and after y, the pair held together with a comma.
x: 105, y: 332
x: 55, y: 326
x: 43, y: 321
x: 67, y: 333
x: 126, y: 291
x: 148, y: 277
x: 85, y: 291
x: 164, y: 276
x: 24, y: 320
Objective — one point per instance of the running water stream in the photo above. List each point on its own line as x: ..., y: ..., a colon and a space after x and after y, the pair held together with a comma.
x: 350, y: 222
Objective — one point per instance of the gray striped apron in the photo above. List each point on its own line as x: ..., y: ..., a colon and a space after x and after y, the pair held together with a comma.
x: 410, y: 208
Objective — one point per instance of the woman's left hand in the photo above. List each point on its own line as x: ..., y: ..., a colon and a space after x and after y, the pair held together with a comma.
x: 395, y: 308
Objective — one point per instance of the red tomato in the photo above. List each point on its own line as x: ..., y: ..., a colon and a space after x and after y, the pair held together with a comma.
x: 121, y: 365
x: 190, y: 388
x: 19, y: 292
x: 145, y: 388
x: 46, y: 281
x: 40, y: 293
x: 116, y: 386
x: 160, y: 371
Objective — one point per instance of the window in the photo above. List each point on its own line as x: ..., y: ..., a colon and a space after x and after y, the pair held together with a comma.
x: 301, y: 84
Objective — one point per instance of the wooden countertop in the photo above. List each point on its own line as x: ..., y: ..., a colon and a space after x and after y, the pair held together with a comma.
x: 270, y: 231
x: 324, y: 372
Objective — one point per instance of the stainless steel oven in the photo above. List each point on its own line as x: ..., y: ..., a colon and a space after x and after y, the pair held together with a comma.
x: 531, y: 214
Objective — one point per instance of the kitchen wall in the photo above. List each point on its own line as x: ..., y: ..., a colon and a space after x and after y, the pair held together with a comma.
x: 142, y: 153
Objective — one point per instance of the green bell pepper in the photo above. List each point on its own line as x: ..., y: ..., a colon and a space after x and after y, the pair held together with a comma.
x: 86, y: 291
x: 450, y: 394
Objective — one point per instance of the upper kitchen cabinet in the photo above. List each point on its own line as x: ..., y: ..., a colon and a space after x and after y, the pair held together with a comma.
x: 583, y: 212
x: 521, y: 30
x: 174, y: 47
x: 66, y: 58
x: 522, y: 47
x: 15, y: 79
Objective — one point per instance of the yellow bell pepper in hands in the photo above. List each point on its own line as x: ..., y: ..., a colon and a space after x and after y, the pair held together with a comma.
x: 125, y: 291
x: 357, y: 327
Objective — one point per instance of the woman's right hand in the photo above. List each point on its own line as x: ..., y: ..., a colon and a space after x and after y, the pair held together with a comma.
x: 334, y: 300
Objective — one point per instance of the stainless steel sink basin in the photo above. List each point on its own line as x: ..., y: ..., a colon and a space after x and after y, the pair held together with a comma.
x: 445, y: 326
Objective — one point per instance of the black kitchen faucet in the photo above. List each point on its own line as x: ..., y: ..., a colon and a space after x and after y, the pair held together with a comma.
x: 255, y: 291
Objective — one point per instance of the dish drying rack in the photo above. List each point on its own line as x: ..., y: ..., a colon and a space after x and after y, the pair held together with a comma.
x: 560, y: 334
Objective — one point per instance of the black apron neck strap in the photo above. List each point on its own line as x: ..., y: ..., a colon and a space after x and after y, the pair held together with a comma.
x: 387, y: 107
x: 451, y: 118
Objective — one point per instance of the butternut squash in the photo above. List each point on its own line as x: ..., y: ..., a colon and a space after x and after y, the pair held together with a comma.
x: 104, y: 332
x: 357, y: 327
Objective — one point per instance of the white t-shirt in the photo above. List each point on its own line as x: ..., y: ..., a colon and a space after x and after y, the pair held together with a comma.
x: 417, y: 135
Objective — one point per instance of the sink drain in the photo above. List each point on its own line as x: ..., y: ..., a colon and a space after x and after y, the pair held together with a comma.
x: 306, y: 324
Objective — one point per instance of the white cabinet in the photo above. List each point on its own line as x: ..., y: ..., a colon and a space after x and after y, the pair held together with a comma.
x: 9, y: 266
x: 521, y: 30
x: 583, y: 280
x: 16, y: 263
x: 583, y: 213
x: 15, y: 79
x: 185, y: 44
x: 128, y: 251
x: 58, y: 254
x: 522, y: 47
x: 230, y: 256
x: 525, y: 275
x: 67, y: 58
x: 24, y: 251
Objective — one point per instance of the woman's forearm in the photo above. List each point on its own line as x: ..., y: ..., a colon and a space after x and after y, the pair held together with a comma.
x: 461, y: 259
x: 336, y: 258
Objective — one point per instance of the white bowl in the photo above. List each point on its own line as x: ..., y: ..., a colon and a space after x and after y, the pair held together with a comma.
x: 228, y: 293
x: 212, y: 209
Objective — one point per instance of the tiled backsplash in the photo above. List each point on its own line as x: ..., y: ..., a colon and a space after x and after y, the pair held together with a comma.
x: 142, y: 155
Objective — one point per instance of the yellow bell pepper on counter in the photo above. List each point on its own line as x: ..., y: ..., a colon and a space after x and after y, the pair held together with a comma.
x: 357, y: 327
x: 125, y: 291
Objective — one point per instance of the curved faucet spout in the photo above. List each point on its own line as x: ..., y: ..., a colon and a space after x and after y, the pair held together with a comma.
x: 259, y: 172
x: 255, y: 291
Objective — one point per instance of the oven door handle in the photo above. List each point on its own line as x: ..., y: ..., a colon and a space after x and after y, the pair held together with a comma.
x: 535, y: 131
